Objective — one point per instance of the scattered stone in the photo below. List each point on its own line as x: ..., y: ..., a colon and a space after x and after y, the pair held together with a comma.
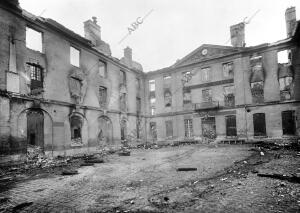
x: 124, y: 153
x: 184, y: 169
x: 222, y: 179
x: 282, y: 184
x: 87, y: 164
x: 92, y: 161
x: 262, y: 154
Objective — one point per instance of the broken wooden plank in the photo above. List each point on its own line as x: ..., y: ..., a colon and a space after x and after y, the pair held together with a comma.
x: 293, y: 178
x: 184, y: 169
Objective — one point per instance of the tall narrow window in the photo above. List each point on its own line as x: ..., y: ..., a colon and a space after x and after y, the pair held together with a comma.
x: 167, y: 81
x: 228, y: 70
x: 205, y: 74
x: 138, y: 105
x: 123, y: 102
x: 153, y: 131
x: 122, y: 78
x: 36, y: 76
x: 206, y: 95
x: 259, y: 124
x: 169, y: 128
x: 230, y: 125
x: 138, y: 84
x: 187, y: 97
x: 257, y: 79
x: 102, y: 69
x: 152, y: 101
x: 229, y: 98
x: 152, y: 110
x: 34, y: 39
x: 168, y: 98
x: 152, y: 85
x: 188, y: 128
x: 288, y: 123
x: 74, y: 57
x: 76, y: 126
x: 102, y: 95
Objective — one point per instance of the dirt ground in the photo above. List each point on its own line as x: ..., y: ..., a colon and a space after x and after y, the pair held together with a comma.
x: 226, y: 180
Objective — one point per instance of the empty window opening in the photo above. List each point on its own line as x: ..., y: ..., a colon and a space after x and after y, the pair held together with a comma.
x: 138, y: 105
x: 257, y: 91
x: 228, y: 71
x: 205, y: 74
x: 153, y: 131
x: 167, y: 81
x: 209, y: 127
x: 152, y: 85
x: 76, y: 127
x: 288, y: 123
x: 102, y: 69
x: 186, y: 96
x: 188, y: 128
x: 122, y: 78
x: 284, y: 57
x: 102, y: 95
x: 229, y: 98
x: 34, y: 39
x: 74, y: 56
x: 186, y: 77
x: 36, y: 76
x: 123, y: 102
x: 259, y: 124
x: 168, y: 99
x: 207, y: 95
x: 230, y: 125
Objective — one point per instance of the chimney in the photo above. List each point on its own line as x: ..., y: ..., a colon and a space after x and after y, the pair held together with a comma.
x: 92, y: 31
x: 237, y: 34
x: 290, y: 20
x: 128, y: 56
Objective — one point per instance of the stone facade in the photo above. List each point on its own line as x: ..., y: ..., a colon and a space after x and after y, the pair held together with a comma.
x: 71, y: 96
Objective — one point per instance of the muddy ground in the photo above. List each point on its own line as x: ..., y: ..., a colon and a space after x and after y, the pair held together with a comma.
x: 226, y: 180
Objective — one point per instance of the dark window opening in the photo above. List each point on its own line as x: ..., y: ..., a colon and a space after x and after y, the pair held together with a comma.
x: 123, y: 78
x: 259, y: 124
x: 36, y: 76
x: 169, y: 128
x: 76, y: 127
x: 230, y: 125
x: 102, y: 95
x: 288, y: 122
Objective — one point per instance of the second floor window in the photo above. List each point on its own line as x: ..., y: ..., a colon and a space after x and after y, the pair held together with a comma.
x: 257, y: 91
x: 123, y: 102
x: 167, y: 81
x: 205, y: 74
x: 102, y: 95
x: 228, y: 70
x: 285, y: 84
x: 187, y: 97
x: 74, y: 57
x: 152, y: 110
x: 168, y: 98
x: 34, y: 39
x: 229, y: 99
x: 102, y: 69
x: 152, y: 85
x: 138, y: 104
x: 152, y: 101
x: 123, y: 78
x: 36, y: 76
x: 206, y: 95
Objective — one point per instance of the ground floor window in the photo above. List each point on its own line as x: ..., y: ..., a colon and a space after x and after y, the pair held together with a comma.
x: 288, y: 122
x: 188, y: 128
x: 76, y: 126
x: 153, y: 130
x: 230, y: 125
x: 209, y: 127
x: 123, y: 130
x: 169, y: 128
x: 259, y: 124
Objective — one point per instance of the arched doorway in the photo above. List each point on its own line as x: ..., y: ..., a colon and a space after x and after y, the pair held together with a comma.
x: 105, y: 134
x: 35, y: 127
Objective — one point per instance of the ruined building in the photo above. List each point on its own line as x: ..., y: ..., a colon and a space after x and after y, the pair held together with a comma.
x: 68, y: 94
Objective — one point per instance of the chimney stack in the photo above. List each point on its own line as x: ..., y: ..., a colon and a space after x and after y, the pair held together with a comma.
x: 237, y: 34
x: 128, y: 56
x: 92, y: 31
x: 290, y: 20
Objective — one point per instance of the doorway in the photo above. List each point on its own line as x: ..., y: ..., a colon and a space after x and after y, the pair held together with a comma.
x: 288, y: 123
x: 35, y: 128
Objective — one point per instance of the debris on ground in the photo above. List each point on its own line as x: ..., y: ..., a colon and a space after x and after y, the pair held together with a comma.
x: 21, y: 206
x: 69, y: 172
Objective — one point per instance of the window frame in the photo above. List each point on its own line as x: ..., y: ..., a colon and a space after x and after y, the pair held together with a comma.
x: 79, y: 56
x: 42, y: 39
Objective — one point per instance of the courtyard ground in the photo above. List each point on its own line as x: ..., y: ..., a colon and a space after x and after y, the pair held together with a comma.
x: 226, y: 180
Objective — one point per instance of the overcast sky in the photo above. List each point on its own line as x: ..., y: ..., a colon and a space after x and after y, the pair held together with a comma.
x: 173, y: 29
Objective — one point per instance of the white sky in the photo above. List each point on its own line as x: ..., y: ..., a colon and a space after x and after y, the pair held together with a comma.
x: 173, y: 29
